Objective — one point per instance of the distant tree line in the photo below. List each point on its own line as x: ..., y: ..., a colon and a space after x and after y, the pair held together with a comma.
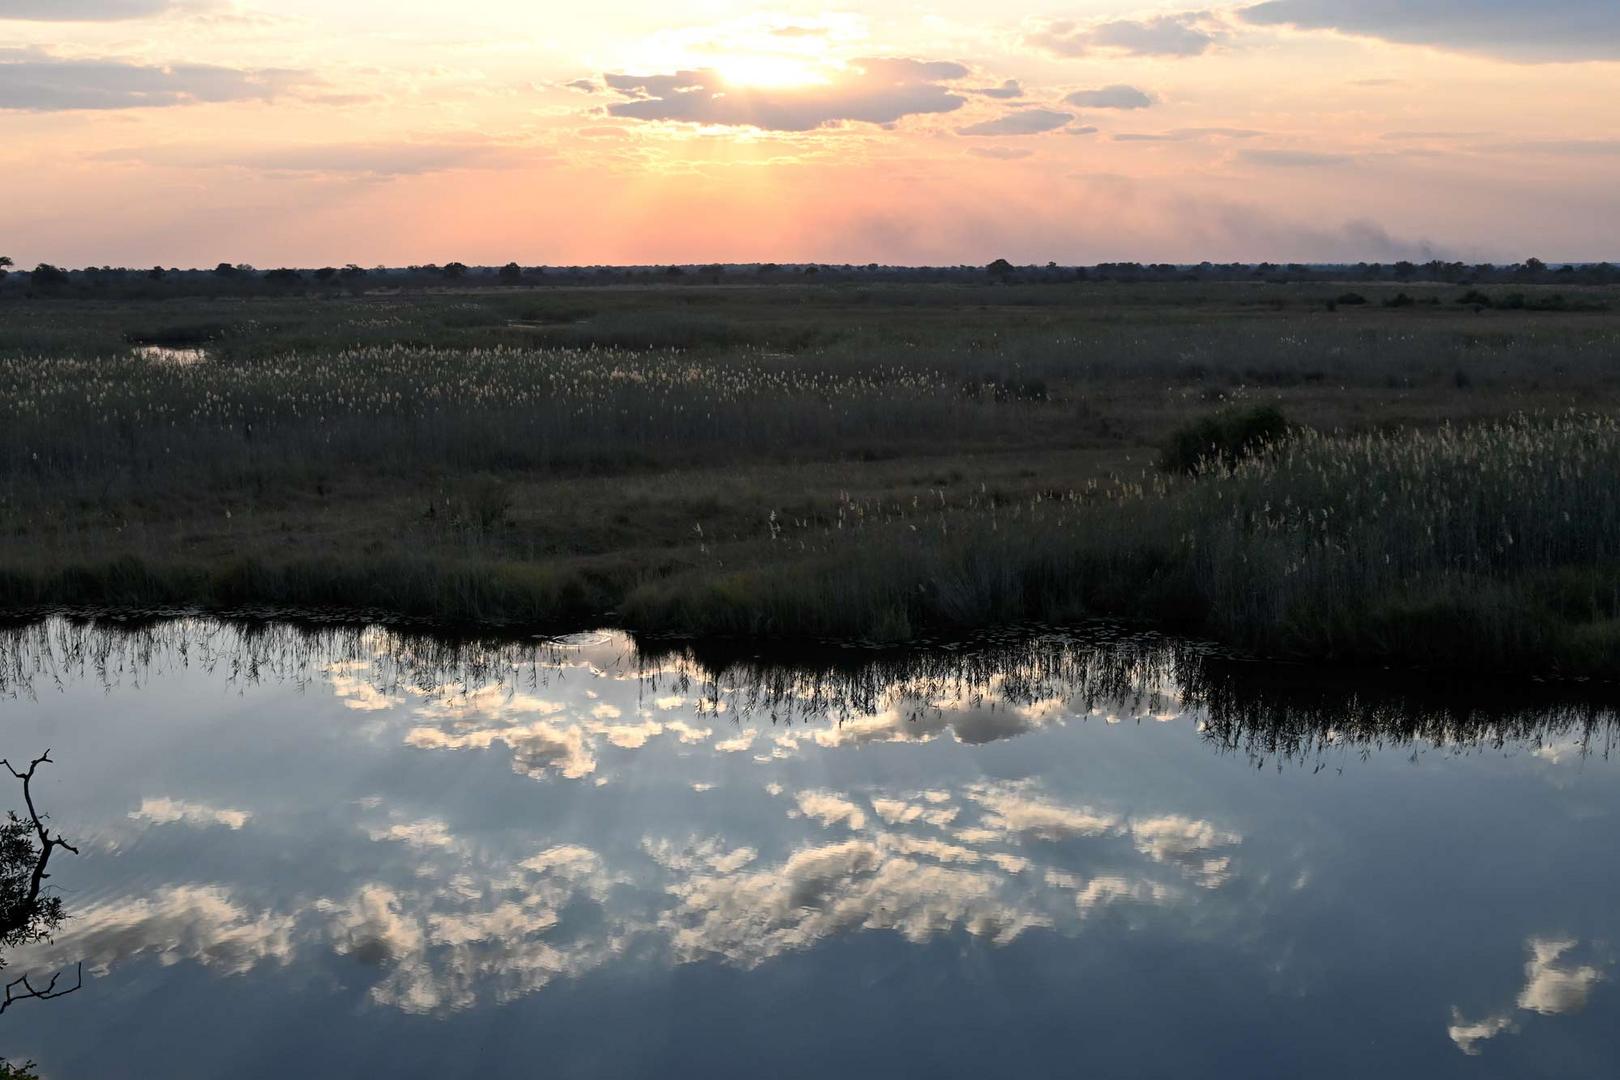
x: 240, y: 279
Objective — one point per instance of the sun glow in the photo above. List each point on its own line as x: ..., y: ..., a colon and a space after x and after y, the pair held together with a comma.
x: 768, y: 72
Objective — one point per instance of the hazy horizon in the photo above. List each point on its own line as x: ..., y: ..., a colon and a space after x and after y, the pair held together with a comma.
x: 184, y: 132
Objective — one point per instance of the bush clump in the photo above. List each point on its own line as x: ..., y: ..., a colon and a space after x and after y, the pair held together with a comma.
x: 1225, y: 439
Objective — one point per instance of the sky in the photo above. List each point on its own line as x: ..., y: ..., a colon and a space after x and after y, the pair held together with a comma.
x: 308, y: 132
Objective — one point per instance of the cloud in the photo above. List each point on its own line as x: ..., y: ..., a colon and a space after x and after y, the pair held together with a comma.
x: 537, y: 749
x: 584, y: 86
x: 1023, y: 122
x: 1564, y: 147
x: 709, y: 855
x: 1001, y: 153
x: 1468, y: 1034
x: 1551, y: 988
x: 872, y: 91
x: 1010, y: 810
x: 831, y: 809
x: 1185, y: 34
x: 818, y: 892
x: 901, y: 812
x: 167, y: 811
x: 35, y: 80
x: 1005, y: 92
x: 201, y: 923
x: 1189, y: 135
x: 1293, y: 159
x: 83, y: 10
x: 1188, y: 843
x: 428, y: 833
x: 1547, y: 31
x: 339, y: 159
x: 1117, y: 96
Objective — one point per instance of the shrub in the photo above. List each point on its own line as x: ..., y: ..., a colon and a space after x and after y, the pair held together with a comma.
x: 1225, y: 439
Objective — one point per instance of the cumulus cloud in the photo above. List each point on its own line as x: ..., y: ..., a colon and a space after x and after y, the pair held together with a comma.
x: 971, y: 720
x: 831, y: 809
x: 1023, y: 122
x: 538, y: 749
x: 35, y: 80
x: 493, y: 937
x: 1188, y: 843
x: 1186, y: 34
x: 902, y: 812
x: 167, y: 811
x: 1551, y: 987
x: 1011, y: 810
x: 83, y: 10
x: 1117, y: 96
x: 835, y: 888
x: 1543, y: 32
x: 1001, y: 153
x: 873, y: 91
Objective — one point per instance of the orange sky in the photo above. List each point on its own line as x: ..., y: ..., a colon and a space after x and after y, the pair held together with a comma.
x: 186, y: 132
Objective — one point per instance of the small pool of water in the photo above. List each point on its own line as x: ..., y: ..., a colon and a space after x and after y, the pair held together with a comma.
x: 171, y: 354
x: 344, y: 852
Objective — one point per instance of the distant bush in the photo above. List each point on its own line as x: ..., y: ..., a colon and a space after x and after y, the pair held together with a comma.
x: 1351, y: 299
x: 1400, y: 300
x: 1227, y: 439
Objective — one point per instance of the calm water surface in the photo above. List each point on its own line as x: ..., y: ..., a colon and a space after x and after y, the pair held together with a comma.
x: 322, y: 854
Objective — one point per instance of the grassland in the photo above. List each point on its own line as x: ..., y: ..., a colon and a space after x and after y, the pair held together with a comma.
x: 867, y: 461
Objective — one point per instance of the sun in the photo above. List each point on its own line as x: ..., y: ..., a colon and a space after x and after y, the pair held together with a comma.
x: 767, y: 72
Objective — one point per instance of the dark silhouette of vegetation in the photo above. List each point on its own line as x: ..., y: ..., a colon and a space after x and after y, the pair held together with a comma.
x: 47, y: 276
x: 29, y: 911
x: 1225, y: 439
x: 239, y: 279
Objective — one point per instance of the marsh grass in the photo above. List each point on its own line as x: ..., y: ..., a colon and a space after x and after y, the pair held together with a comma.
x: 863, y: 463
x: 1492, y: 546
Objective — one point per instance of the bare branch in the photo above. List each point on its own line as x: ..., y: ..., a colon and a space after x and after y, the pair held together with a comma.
x: 45, y: 993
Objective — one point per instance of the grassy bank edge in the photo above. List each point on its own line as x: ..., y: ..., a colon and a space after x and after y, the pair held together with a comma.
x: 1525, y: 627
